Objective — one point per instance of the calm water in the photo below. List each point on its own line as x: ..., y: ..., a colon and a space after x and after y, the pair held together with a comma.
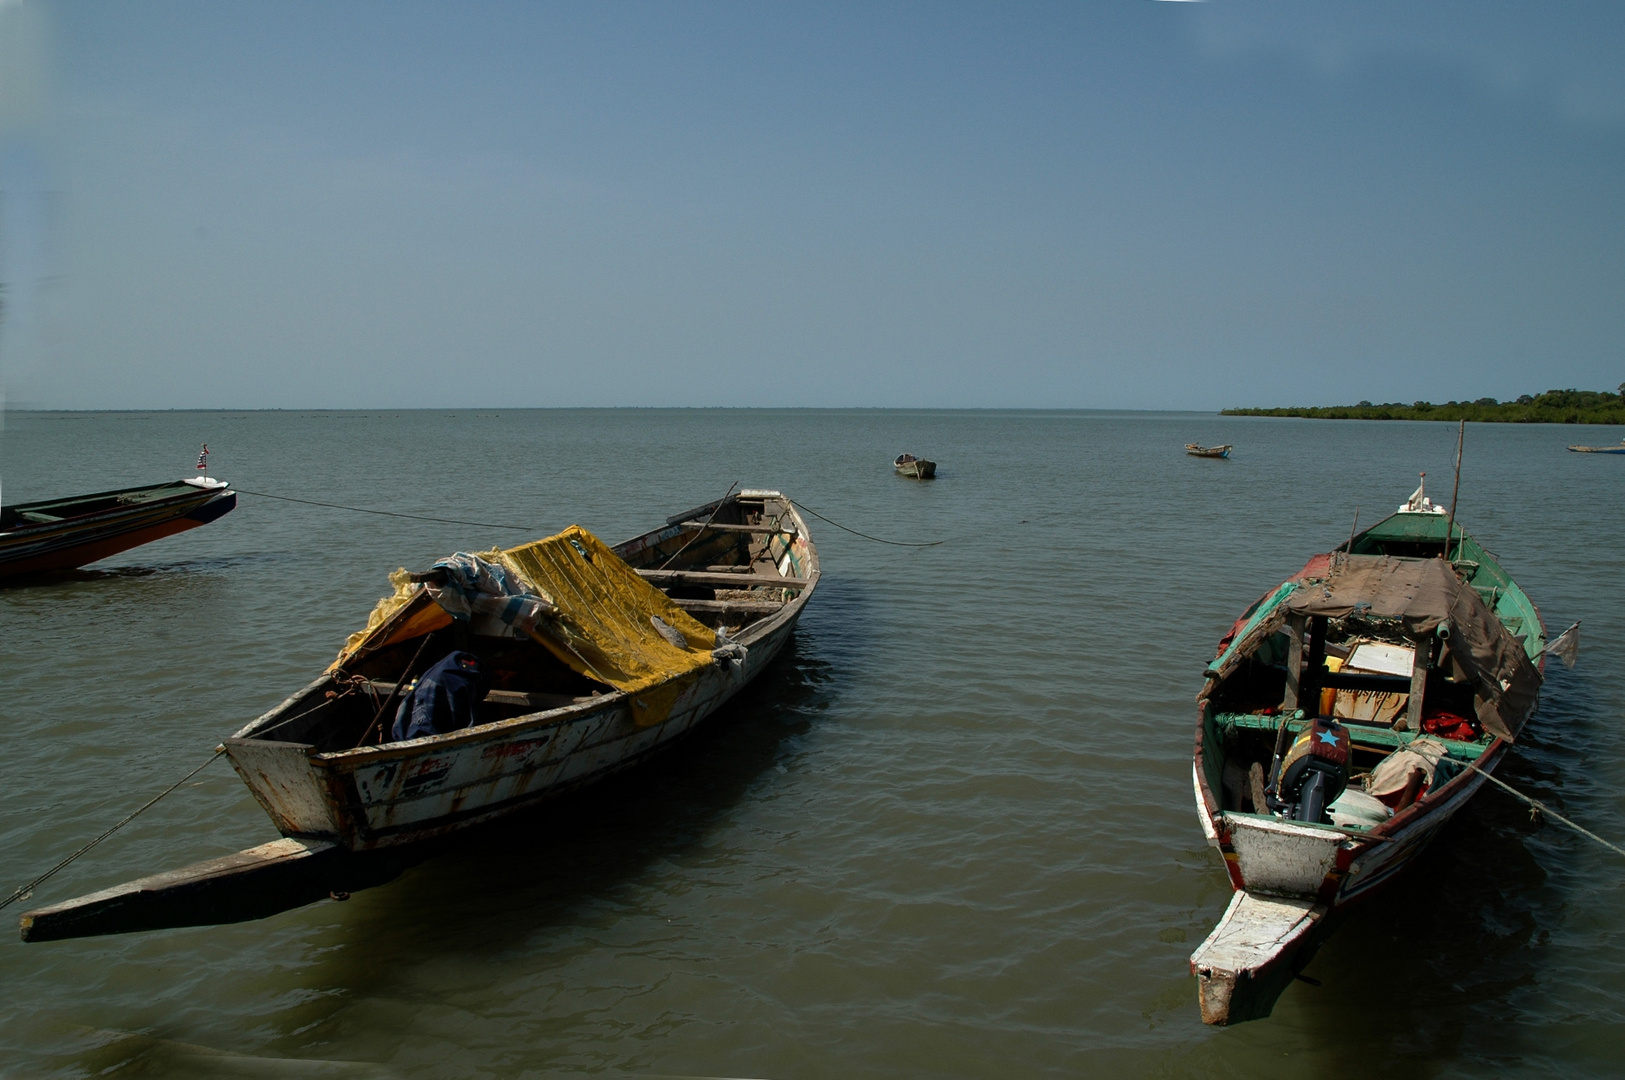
x: 950, y: 834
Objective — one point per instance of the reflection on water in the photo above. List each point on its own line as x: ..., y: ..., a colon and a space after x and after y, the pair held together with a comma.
x: 951, y: 829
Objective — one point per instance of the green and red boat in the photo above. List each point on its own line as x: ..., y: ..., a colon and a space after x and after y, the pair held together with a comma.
x: 41, y: 538
x: 1348, y: 715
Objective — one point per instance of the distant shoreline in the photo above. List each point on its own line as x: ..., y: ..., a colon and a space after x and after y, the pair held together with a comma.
x: 1552, y: 407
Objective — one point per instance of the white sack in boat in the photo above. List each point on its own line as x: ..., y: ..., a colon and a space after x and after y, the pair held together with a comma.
x: 1389, y: 777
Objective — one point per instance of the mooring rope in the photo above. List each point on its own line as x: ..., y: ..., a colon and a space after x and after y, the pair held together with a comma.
x: 706, y: 526
x: 866, y: 536
x: 26, y: 891
x: 530, y: 528
x: 385, y: 513
x: 1541, y: 808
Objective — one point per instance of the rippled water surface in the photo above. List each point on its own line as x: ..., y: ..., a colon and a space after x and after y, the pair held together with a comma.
x: 950, y: 833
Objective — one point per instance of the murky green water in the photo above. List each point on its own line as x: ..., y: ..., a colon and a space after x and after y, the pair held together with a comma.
x: 950, y: 834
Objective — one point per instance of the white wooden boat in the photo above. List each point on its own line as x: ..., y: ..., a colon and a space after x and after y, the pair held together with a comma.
x: 1198, y: 450
x: 1385, y: 657
x: 632, y: 648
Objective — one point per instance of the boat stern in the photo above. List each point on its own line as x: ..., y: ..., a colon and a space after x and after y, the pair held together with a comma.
x: 1257, y: 948
x: 1282, y: 858
x: 287, y: 784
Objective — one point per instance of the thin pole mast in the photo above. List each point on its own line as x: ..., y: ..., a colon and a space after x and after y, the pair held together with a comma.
x: 1450, y: 526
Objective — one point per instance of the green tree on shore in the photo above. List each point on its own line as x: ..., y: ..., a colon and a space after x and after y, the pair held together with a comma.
x: 1552, y: 407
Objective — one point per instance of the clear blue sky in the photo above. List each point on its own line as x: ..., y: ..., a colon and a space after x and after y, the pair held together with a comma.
x: 1097, y: 205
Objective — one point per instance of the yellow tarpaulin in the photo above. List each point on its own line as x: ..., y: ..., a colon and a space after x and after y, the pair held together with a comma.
x: 389, y: 610
x: 606, y: 628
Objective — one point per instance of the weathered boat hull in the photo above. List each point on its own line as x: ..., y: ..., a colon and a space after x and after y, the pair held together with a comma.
x: 1252, y: 955
x: 1598, y: 449
x: 1195, y: 450
x: 1307, y: 875
x: 399, y: 793
x: 403, y: 793
x: 1281, y: 869
x: 31, y: 548
x: 1284, y: 858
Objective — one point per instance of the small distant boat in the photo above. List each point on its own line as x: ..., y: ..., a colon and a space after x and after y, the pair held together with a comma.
x: 1198, y: 450
x: 1618, y: 448
x: 1381, y: 660
x: 64, y: 534
x: 916, y: 468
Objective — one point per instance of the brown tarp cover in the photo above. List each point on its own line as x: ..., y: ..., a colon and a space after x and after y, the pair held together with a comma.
x: 1422, y: 594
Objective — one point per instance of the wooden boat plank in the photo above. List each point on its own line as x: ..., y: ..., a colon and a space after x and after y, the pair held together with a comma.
x: 756, y: 529
x: 251, y: 884
x: 1252, y: 955
x: 500, y: 697
x: 727, y: 608
x: 741, y: 580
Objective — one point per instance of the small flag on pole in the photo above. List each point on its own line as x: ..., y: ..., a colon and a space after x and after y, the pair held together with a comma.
x: 1567, y: 646
x: 203, y: 459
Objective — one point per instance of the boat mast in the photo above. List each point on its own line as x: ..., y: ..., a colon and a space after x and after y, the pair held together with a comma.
x: 1450, y: 524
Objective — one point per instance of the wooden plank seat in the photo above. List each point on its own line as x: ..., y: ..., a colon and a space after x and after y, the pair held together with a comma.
x: 501, y: 697
x: 741, y: 580
x: 1363, y: 735
x: 729, y: 608
x: 777, y: 530
x: 1359, y: 680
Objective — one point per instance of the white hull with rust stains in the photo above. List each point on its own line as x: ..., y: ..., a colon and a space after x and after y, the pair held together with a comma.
x: 378, y: 796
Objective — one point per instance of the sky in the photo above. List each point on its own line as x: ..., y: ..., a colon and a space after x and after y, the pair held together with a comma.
x: 1116, y: 205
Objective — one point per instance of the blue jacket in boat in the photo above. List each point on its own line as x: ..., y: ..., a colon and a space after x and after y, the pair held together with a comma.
x: 442, y: 699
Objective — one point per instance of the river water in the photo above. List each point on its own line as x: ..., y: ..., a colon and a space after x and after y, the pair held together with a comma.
x: 950, y: 833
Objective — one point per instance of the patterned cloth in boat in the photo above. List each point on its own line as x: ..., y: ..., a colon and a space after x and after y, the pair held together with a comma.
x: 495, y: 602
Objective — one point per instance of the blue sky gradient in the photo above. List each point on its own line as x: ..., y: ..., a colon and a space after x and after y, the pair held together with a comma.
x: 1110, y: 205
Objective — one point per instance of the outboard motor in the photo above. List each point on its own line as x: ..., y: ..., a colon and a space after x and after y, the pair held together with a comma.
x: 1314, y: 771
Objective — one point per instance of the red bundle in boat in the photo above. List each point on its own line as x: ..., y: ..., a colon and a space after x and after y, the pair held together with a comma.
x: 1447, y: 725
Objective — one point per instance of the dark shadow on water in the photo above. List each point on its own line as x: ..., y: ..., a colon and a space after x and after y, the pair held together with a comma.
x: 560, y: 866
x: 501, y: 884
x: 1432, y: 973
x: 534, y: 869
x: 91, y: 577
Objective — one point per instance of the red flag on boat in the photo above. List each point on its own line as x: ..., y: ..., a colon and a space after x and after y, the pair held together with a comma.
x: 203, y: 459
